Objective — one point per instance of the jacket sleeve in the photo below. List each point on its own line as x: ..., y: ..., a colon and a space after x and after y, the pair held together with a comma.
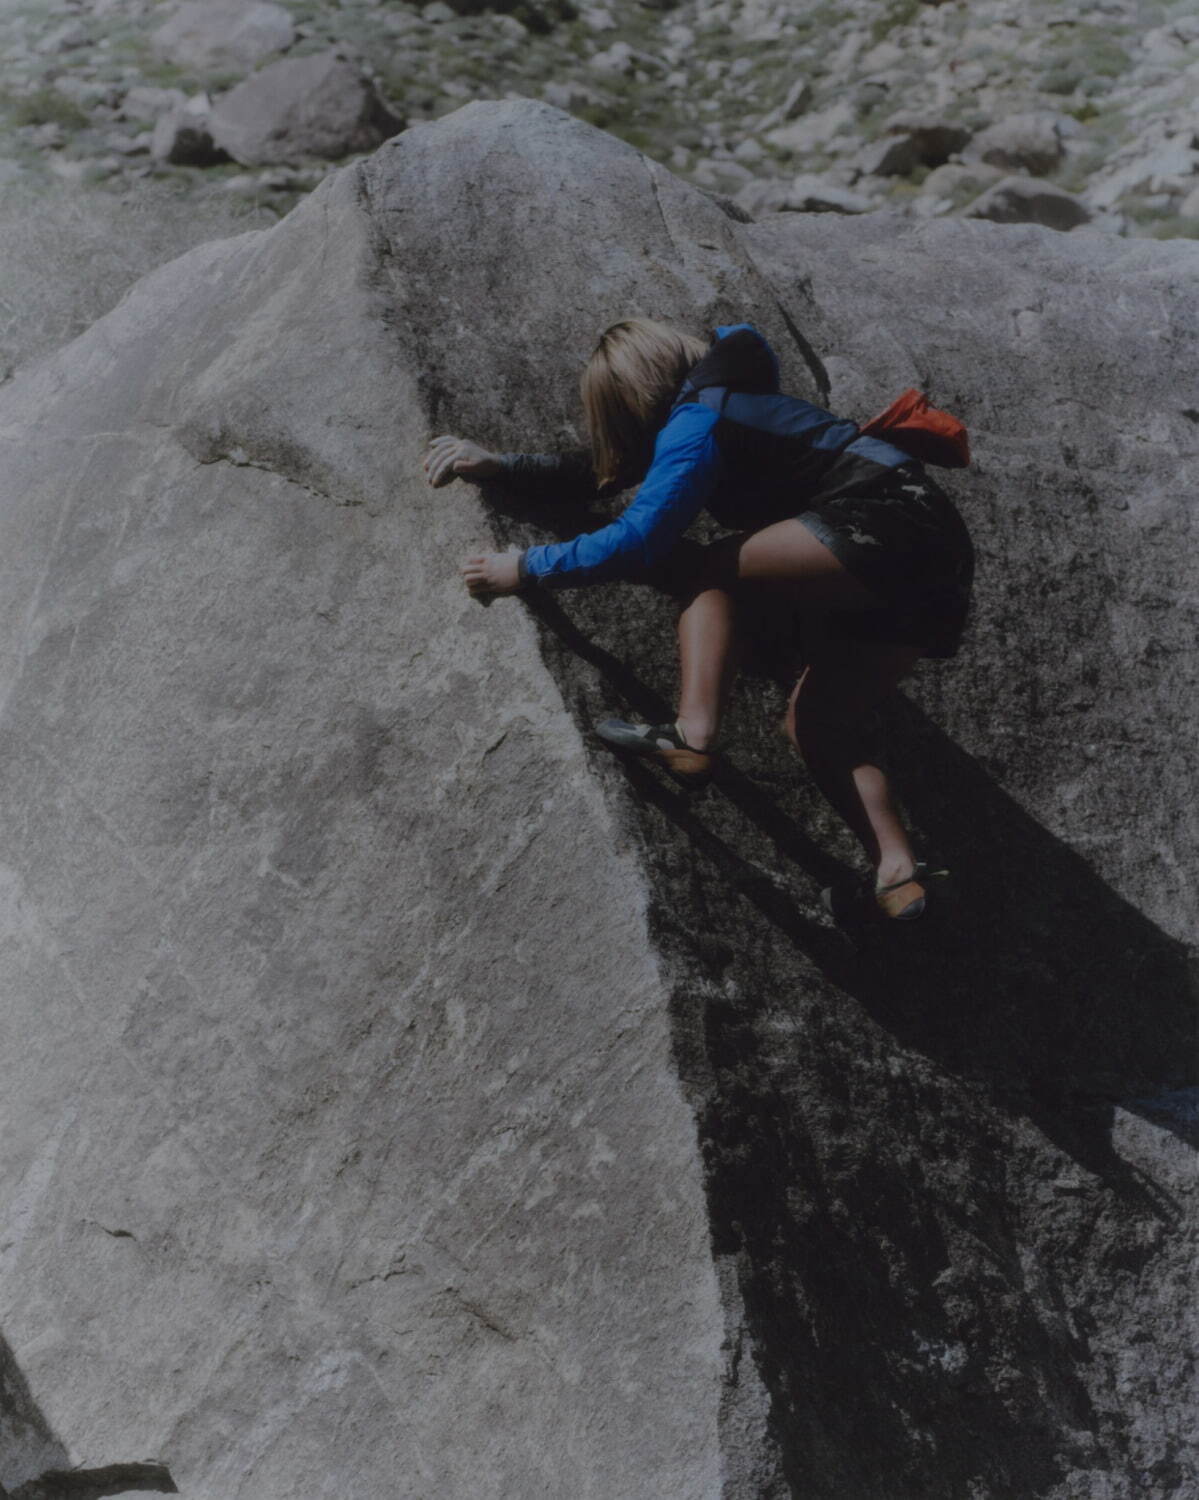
x: 681, y: 478
x: 566, y: 476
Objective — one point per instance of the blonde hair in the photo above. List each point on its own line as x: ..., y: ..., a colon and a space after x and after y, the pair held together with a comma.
x: 628, y: 387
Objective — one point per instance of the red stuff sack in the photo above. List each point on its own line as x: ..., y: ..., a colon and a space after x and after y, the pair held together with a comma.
x: 927, y: 433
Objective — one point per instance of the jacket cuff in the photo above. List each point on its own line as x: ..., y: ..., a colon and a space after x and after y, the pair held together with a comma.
x: 527, y: 579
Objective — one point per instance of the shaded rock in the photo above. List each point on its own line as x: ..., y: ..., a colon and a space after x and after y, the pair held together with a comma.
x: 208, y: 35
x: 539, y: 16
x: 797, y: 100
x: 1027, y: 143
x: 319, y: 105
x: 1017, y: 200
x: 933, y: 140
x: 184, y: 136
x: 888, y: 157
x: 438, y: 1088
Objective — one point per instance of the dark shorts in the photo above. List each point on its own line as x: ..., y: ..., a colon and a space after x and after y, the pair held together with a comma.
x: 900, y: 535
x: 894, y: 529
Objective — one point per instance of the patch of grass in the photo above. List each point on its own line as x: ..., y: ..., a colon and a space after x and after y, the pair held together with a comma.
x: 898, y: 13
x: 45, y: 106
x: 1134, y: 207
x: 1184, y: 227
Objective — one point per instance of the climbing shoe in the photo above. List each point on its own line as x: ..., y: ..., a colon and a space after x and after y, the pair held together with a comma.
x: 902, y: 901
x: 660, y: 742
x: 905, y: 900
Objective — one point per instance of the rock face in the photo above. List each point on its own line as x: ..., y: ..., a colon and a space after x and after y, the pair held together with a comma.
x: 319, y: 105
x: 400, y: 1099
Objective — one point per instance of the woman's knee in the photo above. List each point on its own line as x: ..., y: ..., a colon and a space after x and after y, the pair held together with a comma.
x: 823, y: 724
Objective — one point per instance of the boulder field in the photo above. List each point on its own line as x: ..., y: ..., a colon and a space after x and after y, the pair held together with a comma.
x: 399, y: 1098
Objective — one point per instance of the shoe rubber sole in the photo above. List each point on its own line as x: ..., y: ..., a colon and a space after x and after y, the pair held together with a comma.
x: 693, y: 767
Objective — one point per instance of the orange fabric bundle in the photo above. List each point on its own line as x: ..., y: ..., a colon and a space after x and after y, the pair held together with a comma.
x: 927, y: 433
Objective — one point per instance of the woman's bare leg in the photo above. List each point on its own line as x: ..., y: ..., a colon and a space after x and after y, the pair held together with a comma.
x: 784, y: 553
x: 826, y: 722
x: 706, y: 651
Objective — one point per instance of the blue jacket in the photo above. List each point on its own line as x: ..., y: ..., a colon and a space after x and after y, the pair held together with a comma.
x: 732, y: 444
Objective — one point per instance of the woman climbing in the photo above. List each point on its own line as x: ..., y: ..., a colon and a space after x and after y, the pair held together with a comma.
x: 870, y: 549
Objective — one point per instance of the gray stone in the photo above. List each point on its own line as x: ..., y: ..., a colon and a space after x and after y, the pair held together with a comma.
x: 184, y: 136
x: 959, y: 180
x: 393, y: 1091
x: 130, y: 145
x: 1029, y: 142
x: 764, y: 196
x: 618, y: 58
x: 50, y: 136
x: 220, y: 35
x: 812, y: 194
x: 1018, y: 200
x: 318, y: 105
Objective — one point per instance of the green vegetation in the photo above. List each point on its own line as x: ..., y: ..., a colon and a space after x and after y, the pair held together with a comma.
x: 45, y: 106
x: 1177, y: 229
x: 897, y: 13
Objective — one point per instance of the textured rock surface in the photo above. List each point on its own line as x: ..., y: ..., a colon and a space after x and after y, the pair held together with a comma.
x: 400, y: 1099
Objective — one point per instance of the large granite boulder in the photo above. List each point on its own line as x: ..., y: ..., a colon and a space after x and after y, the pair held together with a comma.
x: 320, y: 105
x: 401, y: 1099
